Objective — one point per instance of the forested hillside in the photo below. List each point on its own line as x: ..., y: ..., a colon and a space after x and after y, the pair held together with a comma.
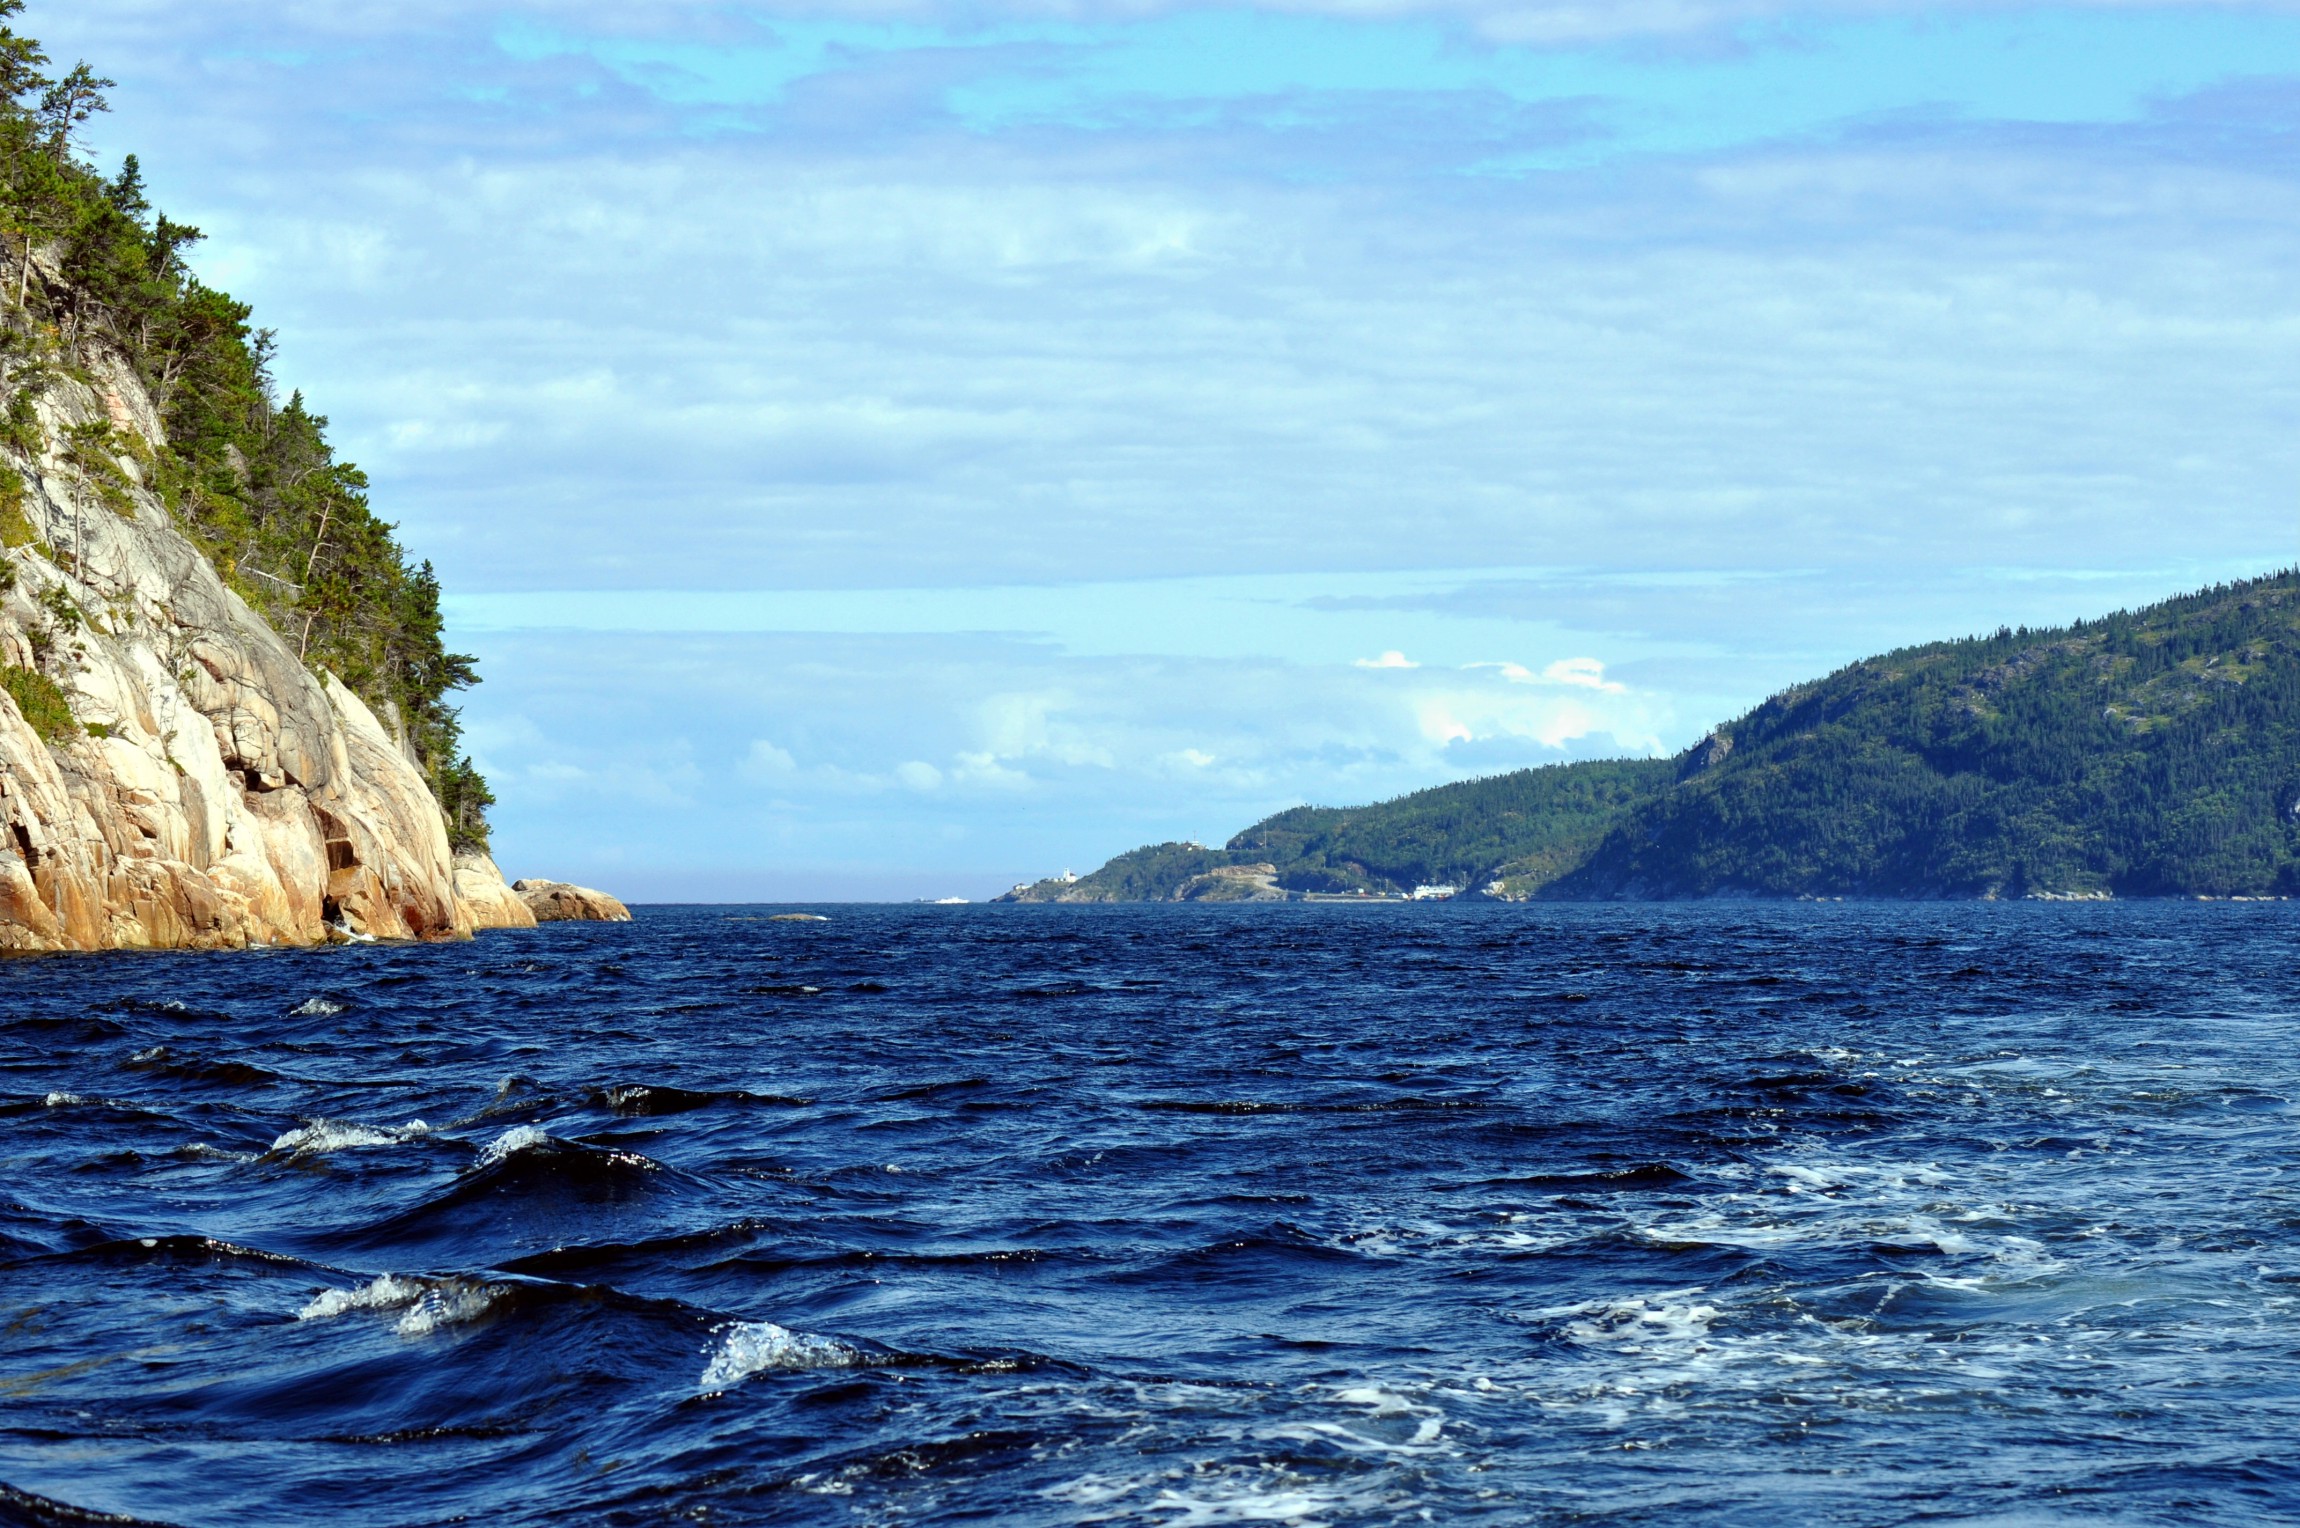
x: 1517, y: 831
x: 1520, y: 830
x: 2152, y: 753
x: 2149, y: 753
x: 89, y: 266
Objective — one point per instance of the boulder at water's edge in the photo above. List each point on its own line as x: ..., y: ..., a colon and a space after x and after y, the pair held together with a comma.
x: 558, y: 902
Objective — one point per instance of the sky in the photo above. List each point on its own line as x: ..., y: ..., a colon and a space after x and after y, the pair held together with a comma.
x: 894, y: 450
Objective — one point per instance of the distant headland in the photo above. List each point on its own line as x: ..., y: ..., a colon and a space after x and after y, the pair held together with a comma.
x: 2150, y: 753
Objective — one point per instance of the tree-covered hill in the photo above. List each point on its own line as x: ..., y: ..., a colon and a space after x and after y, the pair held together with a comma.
x: 2150, y: 753
x: 2153, y: 753
x: 1522, y: 830
x: 88, y: 267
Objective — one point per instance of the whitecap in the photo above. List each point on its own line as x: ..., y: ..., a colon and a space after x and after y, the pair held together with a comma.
x: 1380, y: 1428
x: 60, y: 1098
x: 1296, y: 1506
x: 388, y: 1291
x: 426, y: 1304
x: 1381, y: 1402
x: 1628, y: 1325
x: 753, y: 1346
x: 201, y: 1151
x: 318, y: 1007
x: 321, y: 1135
x: 517, y: 1139
x: 448, y: 1303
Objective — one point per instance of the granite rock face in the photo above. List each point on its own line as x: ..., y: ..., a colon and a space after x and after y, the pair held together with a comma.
x: 558, y: 902
x: 489, y: 899
x: 208, y: 789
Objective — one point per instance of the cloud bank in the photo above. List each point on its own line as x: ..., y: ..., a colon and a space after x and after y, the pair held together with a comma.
x: 1718, y: 343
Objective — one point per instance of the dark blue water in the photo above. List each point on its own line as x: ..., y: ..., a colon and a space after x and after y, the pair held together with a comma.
x: 1174, y: 1216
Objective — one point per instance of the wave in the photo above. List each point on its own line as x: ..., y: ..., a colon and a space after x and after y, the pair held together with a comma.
x: 649, y: 1100
x: 921, y: 1090
x: 1631, y: 1321
x: 29, y: 1232
x: 1645, y: 1175
x: 317, y: 1137
x: 755, y: 1347
x: 176, y: 1247
x: 1262, y: 1106
x: 531, y: 1157
x: 523, y: 1182
x: 85, y: 1027
x: 519, y: 1138
x: 515, y: 1094
x: 56, y: 1098
x: 425, y: 1305
x: 160, y: 1061
x: 26, y: 1510
x: 1279, y: 1248
x: 645, y: 1253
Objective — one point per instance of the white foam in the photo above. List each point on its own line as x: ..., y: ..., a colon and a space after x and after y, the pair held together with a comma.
x: 1382, y: 1430
x: 59, y: 1099
x: 751, y: 1347
x: 1383, y: 1403
x: 426, y: 1304
x: 323, y: 1135
x: 448, y: 1303
x: 1292, y: 1505
x: 513, y: 1141
x: 318, y: 1007
x: 202, y: 1151
x: 1631, y: 1325
x: 387, y: 1292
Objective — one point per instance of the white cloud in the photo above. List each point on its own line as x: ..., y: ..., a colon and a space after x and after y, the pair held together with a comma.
x: 1588, y: 673
x: 765, y: 763
x: 1439, y: 724
x: 608, y: 346
x: 984, y: 769
x: 1537, y: 21
x: 1582, y: 673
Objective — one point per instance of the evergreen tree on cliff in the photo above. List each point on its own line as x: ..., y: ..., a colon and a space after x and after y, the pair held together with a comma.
x: 252, y: 480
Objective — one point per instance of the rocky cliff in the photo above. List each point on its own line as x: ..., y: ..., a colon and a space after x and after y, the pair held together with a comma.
x: 171, y: 772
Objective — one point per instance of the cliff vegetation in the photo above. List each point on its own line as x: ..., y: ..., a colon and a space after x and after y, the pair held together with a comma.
x: 93, y: 271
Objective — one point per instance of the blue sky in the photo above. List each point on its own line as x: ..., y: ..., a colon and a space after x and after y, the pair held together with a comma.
x: 893, y: 450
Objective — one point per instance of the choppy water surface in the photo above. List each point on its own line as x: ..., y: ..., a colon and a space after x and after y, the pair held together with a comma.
x: 1175, y: 1216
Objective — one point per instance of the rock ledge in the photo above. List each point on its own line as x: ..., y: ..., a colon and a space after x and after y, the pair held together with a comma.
x: 558, y: 902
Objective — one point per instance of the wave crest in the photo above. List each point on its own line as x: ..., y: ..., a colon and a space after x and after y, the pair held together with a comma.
x: 316, y: 1136
x: 752, y: 1347
x: 426, y: 1305
x: 513, y: 1141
